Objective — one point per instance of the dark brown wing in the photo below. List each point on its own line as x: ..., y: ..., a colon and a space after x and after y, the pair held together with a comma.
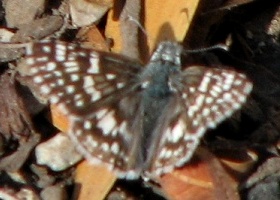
x: 202, y: 99
x: 97, y: 90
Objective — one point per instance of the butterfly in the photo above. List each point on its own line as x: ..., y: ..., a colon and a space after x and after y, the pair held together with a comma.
x: 134, y: 119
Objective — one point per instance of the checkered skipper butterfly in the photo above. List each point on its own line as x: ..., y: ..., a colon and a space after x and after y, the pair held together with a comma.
x: 131, y: 118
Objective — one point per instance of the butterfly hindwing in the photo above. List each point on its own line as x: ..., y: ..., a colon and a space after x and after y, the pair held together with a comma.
x: 208, y: 96
x: 112, y: 136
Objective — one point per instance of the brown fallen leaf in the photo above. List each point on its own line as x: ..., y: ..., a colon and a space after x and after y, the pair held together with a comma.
x: 14, y: 116
x: 205, y: 178
x: 91, y: 38
x: 14, y: 162
x: 193, y: 180
x: 86, y: 12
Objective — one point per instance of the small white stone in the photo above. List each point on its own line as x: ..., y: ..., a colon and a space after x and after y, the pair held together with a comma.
x: 58, y: 153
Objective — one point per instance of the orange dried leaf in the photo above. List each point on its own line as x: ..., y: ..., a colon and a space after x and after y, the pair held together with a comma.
x: 162, y: 15
x: 158, y: 15
x: 193, y: 180
x: 204, y: 179
x: 59, y: 120
x: 94, y: 182
x: 93, y: 38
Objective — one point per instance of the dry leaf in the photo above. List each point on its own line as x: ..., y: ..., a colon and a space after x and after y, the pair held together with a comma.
x: 164, y: 20
x: 202, y: 179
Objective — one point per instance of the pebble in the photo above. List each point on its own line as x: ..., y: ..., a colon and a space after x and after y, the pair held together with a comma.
x: 58, y: 153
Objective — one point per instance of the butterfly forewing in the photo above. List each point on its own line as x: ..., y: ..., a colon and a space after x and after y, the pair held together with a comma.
x: 93, y: 89
x: 74, y: 77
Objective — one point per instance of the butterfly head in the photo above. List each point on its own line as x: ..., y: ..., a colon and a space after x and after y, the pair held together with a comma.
x: 164, y: 63
x: 168, y: 52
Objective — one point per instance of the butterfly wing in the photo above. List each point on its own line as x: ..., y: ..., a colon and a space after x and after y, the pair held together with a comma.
x: 75, y: 77
x: 112, y: 135
x: 203, y: 97
x: 97, y: 90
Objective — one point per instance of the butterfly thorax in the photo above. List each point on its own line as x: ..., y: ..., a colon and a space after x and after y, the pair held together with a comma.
x: 156, y: 82
x: 155, y: 97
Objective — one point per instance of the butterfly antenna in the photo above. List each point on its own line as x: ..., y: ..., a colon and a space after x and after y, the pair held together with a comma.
x: 140, y: 26
x: 217, y: 46
x: 223, y: 46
